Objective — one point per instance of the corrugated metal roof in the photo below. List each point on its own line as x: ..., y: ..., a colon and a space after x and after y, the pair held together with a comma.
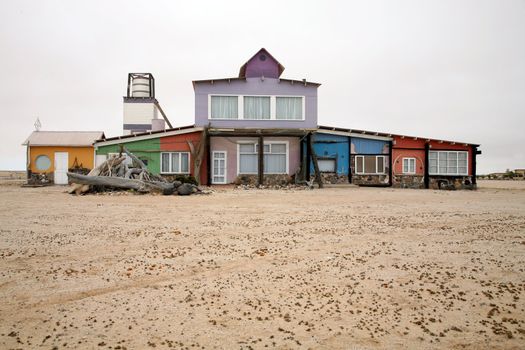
x: 383, y: 134
x: 63, y: 138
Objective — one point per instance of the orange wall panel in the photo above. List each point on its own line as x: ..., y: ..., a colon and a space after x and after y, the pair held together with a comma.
x: 84, y: 156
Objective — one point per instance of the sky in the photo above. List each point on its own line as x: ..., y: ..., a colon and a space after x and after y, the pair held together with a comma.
x: 451, y: 70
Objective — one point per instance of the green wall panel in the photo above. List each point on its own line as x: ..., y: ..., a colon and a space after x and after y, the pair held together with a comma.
x: 144, y: 149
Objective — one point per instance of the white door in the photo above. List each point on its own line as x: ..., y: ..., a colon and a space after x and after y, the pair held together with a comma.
x: 61, y: 165
x: 219, y: 167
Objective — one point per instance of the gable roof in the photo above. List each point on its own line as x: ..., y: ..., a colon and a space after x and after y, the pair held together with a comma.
x: 63, y: 138
x: 242, y: 71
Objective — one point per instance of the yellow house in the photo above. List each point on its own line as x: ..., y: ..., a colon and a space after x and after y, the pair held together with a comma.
x: 51, y: 154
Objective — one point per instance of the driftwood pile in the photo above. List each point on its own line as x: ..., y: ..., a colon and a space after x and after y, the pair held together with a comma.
x: 115, y: 173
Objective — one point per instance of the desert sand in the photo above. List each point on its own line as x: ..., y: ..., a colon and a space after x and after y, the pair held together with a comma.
x: 352, y: 268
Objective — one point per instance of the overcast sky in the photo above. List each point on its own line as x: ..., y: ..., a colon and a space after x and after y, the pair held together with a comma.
x: 441, y: 69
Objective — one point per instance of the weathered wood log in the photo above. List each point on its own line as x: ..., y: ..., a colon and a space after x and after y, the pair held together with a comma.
x: 198, y: 154
x: 82, y: 188
x: 118, y: 182
x: 318, y: 178
x: 135, y: 159
x: 132, y: 171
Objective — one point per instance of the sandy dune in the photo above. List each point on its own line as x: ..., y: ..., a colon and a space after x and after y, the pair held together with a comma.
x: 354, y: 268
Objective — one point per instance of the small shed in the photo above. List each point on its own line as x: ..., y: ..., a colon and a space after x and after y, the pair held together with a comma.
x: 51, y: 154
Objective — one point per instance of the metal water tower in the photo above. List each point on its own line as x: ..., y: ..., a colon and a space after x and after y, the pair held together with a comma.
x: 141, y: 85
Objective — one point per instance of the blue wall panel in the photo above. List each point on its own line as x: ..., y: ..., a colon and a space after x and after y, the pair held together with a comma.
x: 332, y: 146
x: 367, y: 146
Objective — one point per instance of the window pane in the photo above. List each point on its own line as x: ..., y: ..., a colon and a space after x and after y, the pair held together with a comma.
x: 247, y: 148
x: 278, y: 148
x: 256, y: 107
x: 405, y: 165
x: 442, y: 159
x: 165, y: 164
x: 380, y: 165
x: 247, y: 163
x: 42, y: 162
x: 412, y: 164
x: 370, y: 164
x: 224, y: 107
x: 175, y: 163
x: 289, y: 108
x: 432, y: 155
x: 462, y: 156
x: 326, y: 165
x: 184, y: 163
x: 359, y: 164
x: 274, y: 163
x: 462, y: 170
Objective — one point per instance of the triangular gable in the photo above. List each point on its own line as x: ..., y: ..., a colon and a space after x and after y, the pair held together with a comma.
x: 262, y: 64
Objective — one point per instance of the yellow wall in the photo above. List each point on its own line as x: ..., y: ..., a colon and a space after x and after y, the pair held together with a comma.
x: 84, y: 155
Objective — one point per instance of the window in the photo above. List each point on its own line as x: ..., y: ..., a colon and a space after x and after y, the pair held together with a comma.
x: 447, y: 163
x: 224, y: 107
x: 289, y: 108
x: 175, y: 163
x: 219, y: 167
x: 326, y: 165
x: 247, y: 158
x: 409, y: 165
x: 370, y: 164
x: 246, y: 107
x: 275, y: 158
x: 42, y: 162
x: 256, y: 107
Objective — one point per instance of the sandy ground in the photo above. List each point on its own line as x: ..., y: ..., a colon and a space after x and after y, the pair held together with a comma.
x: 353, y: 268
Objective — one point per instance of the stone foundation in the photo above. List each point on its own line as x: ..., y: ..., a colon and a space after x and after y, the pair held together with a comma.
x: 370, y: 180
x: 40, y: 178
x: 331, y: 178
x: 269, y: 180
x: 408, y: 181
x: 451, y: 183
x: 182, y: 178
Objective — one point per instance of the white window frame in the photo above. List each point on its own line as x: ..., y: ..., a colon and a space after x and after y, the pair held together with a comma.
x: 409, y: 159
x: 376, y: 158
x: 225, y: 167
x: 180, y: 163
x: 273, y: 107
x: 287, y: 155
x: 457, y: 173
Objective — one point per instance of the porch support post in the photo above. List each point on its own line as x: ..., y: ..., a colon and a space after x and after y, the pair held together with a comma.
x: 390, y: 163
x: 209, y: 159
x: 349, y: 159
x: 475, y: 152
x: 260, y: 169
x: 308, y: 155
x: 426, y: 177
x: 318, y: 178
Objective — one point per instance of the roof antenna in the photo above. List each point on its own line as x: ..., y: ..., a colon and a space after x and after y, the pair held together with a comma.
x: 37, y: 124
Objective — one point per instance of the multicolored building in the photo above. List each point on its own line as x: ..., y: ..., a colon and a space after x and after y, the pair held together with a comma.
x: 261, y: 128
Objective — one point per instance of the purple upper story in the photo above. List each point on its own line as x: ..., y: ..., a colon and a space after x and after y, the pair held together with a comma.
x: 258, y: 98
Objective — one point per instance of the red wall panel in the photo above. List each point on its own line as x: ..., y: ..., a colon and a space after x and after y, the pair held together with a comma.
x: 179, y: 143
